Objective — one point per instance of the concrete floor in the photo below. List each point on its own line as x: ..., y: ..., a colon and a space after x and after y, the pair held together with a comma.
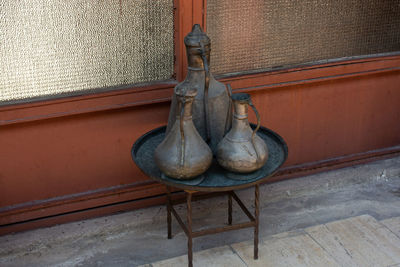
x: 290, y: 209
x: 357, y: 241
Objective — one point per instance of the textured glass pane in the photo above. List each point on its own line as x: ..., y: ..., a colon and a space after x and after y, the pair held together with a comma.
x: 260, y: 34
x: 55, y: 46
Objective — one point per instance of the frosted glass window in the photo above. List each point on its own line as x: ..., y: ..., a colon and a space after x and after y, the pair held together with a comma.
x: 260, y: 34
x: 50, y: 47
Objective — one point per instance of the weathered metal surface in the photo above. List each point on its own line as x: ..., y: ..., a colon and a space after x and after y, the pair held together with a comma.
x: 211, y: 113
x: 257, y: 219
x: 187, y: 228
x: 242, y: 150
x: 183, y: 154
x: 215, y: 178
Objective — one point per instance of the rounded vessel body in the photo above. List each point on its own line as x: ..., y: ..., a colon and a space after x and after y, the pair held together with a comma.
x: 211, y: 107
x: 242, y: 150
x: 183, y: 154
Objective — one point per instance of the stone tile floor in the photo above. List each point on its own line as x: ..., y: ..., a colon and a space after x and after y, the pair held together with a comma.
x: 356, y: 241
x: 345, y: 217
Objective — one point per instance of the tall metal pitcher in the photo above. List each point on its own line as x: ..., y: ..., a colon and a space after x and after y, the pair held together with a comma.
x: 183, y: 154
x: 211, y: 107
x: 242, y: 150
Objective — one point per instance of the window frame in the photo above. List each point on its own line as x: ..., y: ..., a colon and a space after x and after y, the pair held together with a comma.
x: 187, y: 13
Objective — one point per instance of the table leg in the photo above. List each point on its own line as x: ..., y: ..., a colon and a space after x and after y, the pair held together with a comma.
x: 230, y: 208
x: 189, y: 228
x: 169, y: 219
x: 256, y: 217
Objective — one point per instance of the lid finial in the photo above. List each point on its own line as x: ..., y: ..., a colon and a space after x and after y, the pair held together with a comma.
x: 196, y: 36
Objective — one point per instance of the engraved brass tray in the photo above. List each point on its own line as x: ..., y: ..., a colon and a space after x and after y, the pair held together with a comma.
x: 215, y: 178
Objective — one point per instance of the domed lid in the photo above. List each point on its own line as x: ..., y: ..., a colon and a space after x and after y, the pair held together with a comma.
x: 196, y: 36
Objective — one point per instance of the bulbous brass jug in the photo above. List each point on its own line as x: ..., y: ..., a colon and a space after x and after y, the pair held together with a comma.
x: 183, y: 154
x: 211, y: 108
x: 242, y: 150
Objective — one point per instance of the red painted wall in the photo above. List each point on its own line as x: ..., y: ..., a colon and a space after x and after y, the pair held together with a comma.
x: 51, y: 165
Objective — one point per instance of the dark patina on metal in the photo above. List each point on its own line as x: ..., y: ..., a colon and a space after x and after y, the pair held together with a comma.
x: 242, y: 150
x: 183, y: 154
x: 211, y: 107
x: 216, y: 178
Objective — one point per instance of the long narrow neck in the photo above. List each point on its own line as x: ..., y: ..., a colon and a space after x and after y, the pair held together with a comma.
x: 187, y: 109
x: 187, y: 103
x: 195, y: 61
x: 240, y: 109
x: 194, y: 73
x: 240, y: 115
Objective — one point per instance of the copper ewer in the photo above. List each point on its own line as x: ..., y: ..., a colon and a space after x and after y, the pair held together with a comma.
x: 242, y: 150
x: 211, y: 107
x: 183, y: 154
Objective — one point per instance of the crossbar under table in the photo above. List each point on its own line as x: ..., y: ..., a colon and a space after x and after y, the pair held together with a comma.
x: 187, y: 228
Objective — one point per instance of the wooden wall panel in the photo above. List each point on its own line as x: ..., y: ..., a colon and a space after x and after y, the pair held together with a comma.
x: 69, y: 158
x: 60, y: 165
x: 80, y: 161
x: 330, y: 119
x: 64, y: 156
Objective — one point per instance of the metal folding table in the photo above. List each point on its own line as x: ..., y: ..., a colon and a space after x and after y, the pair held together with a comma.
x: 216, y: 179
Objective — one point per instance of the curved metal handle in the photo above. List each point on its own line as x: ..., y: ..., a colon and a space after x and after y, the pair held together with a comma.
x: 206, y: 85
x: 228, y: 121
x: 182, y: 102
x: 257, y: 116
x: 257, y: 127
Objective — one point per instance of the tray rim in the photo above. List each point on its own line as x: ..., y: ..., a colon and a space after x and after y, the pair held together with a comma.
x: 142, y: 138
